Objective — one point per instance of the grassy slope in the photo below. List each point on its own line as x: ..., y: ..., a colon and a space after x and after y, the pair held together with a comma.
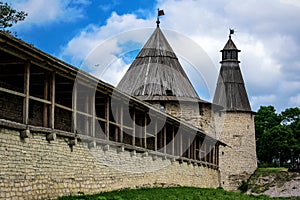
x: 264, y: 178
x: 178, y: 193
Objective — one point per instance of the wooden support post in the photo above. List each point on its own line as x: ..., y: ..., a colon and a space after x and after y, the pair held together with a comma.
x: 217, y: 154
x: 145, y: 131
x: 189, y: 147
x: 116, y: 126
x: 195, y: 148
x: 155, y: 132
x: 26, y: 92
x: 180, y: 144
x: 121, y: 123
x: 93, y: 110
x: 46, y: 97
x: 141, y: 133
x: 133, y: 127
x: 209, y: 153
x: 205, y: 155
x: 74, y: 113
x: 165, y: 138
x: 52, y: 97
x: 107, y: 108
x: 173, y: 141
x: 199, y: 153
x: 87, y: 118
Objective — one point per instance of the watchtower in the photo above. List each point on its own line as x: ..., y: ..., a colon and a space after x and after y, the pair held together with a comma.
x: 235, y: 123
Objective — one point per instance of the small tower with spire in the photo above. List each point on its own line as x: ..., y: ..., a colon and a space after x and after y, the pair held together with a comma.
x: 235, y: 123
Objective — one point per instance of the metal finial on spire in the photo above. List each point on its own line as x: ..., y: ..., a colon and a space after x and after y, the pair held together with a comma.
x: 231, y: 32
x: 159, y: 13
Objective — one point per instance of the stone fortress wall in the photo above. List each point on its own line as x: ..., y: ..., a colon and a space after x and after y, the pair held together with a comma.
x: 33, y: 168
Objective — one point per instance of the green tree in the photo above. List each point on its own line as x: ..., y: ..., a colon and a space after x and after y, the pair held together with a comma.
x: 291, y: 117
x: 9, y: 16
x: 277, y: 133
x: 265, y: 118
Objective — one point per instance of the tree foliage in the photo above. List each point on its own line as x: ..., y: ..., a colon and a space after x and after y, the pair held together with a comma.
x: 9, y: 16
x: 277, y: 135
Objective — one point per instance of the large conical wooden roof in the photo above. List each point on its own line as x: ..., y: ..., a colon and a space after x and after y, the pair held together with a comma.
x: 231, y: 92
x: 156, y: 73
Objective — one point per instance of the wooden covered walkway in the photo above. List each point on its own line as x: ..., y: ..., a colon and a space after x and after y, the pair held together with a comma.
x: 40, y: 93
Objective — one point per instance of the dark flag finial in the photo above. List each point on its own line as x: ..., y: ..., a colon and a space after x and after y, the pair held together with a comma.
x: 159, y: 13
x: 231, y: 32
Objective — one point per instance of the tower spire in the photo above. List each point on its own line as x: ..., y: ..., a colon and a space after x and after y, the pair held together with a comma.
x: 231, y: 92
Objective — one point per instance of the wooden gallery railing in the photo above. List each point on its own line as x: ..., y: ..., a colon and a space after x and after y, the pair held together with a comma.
x: 62, y: 101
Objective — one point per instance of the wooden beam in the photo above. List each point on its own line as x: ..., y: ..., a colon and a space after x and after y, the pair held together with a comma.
x: 116, y: 126
x: 133, y: 127
x: 121, y: 123
x: 46, y: 97
x: 12, y: 92
x: 87, y: 119
x: 180, y: 144
x: 189, y: 147
x: 52, y: 99
x: 74, y: 113
x: 93, y: 123
x: 173, y: 142
x: 145, y: 130
x: 107, y: 108
x: 165, y: 138
x: 26, y: 92
x: 155, y: 132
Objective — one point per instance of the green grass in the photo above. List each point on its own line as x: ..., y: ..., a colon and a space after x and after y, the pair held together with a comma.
x: 271, y: 170
x: 174, y: 193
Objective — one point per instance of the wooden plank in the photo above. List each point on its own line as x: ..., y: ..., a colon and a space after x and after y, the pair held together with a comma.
x: 46, y: 97
x: 52, y: 99
x: 173, y: 141
x: 180, y: 144
x: 93, y: 124
x: 155, y: 140
x: 40, y: 100
x: 121, y: 122
x: 133, y: 126
x: 87, y: 118
x: 64, y: 107
x: 26, y: 92
x: 140, y: 134
x: 74, y: 113
x: 145, y: 131
x: 189, y: 147
x: 116, y: 126
x: 107, y: 108
x: 165, y: 138
x: 12, y: 92
x: 195, y: 148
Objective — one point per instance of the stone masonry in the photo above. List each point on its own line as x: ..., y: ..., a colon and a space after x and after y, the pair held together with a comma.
x: 238, y: 159
x: 37, y: 169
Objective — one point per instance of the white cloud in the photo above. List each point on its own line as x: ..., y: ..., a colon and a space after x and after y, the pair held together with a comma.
x: 99, y: 49
x: 264, y: 100
x: 295, y: 100
x: 42, y: 12
x: 266, y: 32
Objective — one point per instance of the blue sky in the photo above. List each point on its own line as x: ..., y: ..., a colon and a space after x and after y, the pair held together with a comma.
x: 102, y: 37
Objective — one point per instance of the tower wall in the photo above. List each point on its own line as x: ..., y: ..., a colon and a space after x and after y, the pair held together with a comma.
x: 197, y: 114
x: 237, y: 160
